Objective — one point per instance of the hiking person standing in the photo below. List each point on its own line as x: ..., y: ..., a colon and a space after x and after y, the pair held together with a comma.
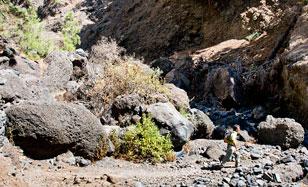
x: 232, y: 149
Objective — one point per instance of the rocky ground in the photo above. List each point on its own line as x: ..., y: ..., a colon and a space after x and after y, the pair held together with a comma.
x: 260, y: 166
x: 54, y: 113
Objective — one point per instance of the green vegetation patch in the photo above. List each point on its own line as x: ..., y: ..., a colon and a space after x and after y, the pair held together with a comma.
x: 145, y: 142
x: 25, y: 28
x: 70, y: 31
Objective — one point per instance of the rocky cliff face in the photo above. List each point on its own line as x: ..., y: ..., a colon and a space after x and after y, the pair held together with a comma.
x: 224, y: 62
x: 263, y: 64
x: 153, y: 29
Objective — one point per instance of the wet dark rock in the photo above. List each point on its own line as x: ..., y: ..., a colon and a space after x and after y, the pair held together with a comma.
x: 164, y: 64
x: 179, y: 79
x: 224, y: 84
x: 259, y: 113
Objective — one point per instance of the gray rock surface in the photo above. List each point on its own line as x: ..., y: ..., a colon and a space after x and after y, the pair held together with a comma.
x: 21, y: 86
x: 203, y: 124
x: 59, y: 70
x: 289, y: 173
x: 169, y: 118
x: 45, y: 130
x: 22, y: 65
x: 125, y: 104
x: 284, y: 132
x: 178, y: 97
x: 214, y: 152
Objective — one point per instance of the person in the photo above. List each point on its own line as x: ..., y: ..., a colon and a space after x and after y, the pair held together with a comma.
x: 232, y: 148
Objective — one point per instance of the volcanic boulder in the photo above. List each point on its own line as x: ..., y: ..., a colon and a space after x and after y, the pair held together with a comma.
x: 168, y: 118
x: 45, y: 130
x: 284, y: 132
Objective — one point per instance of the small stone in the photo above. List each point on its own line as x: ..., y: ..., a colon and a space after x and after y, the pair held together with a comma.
x: 9, y: 52
x: 277, y: 177
x: 139, y: 184
x: 257, y: 170
x: 241, y: 183
x: 82, y: 162
x: 76, y: 180
x: 305, y: 163
x: 2, y: 81
x: 256, y: 155
x: 224, y: 184
x: 236, y: 175
x: 4, y: 59
x: 234, y: 182
x: 287, y: 159
x: 302, y: 150
x: 226, y: 179
x: 81, y: 52
x: 267, y: 176
x: 113, y: 179
x: 260, y: 182
x: 250, y: 180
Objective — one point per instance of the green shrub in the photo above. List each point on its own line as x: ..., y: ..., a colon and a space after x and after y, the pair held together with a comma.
x: 33, y: 43
x: 145, y: 142
x: 114, y: 138
x: 70, y: 32
x: 24, y: 27
x: 126, y: 78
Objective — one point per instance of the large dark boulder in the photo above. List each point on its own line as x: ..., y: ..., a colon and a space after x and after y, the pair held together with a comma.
x: 46, y: 130
x: 284, y: 132
x: 168, y: 118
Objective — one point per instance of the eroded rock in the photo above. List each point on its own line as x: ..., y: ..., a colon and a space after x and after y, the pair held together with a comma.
x: 284, y: 132
x: 169, y: 118
x: 46, y: 130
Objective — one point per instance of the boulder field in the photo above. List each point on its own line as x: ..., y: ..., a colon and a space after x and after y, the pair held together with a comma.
x: 220, y: 63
